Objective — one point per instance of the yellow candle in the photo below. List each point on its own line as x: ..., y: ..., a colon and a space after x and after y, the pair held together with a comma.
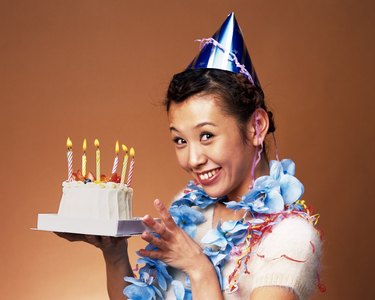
x: 84, y: 159
x: 123, y: 173
x: 96, y: 143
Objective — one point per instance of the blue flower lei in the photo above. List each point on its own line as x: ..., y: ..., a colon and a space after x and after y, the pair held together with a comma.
x: 272, y: 195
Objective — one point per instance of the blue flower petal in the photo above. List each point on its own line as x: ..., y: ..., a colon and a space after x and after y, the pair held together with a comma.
x: 135, y: 281
x: 291, y: 189
x: 187, y: 218
x: 219, y: 276
x: 234, y: 231
x: 235, y: 205
x: 216, y: 257
x: 214, y: 237
x: 133, y: 292
x: 178, y: 290
x: 276, y: 169
x: 274, y: 201
x: 139, y: 292
x: 289, y: 167
x: 188, y: 295
x: 191, y: 230
x: 229, y: 226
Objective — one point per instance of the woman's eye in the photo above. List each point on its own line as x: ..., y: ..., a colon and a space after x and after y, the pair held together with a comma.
x: 206, y: 136
x: 179, y: 141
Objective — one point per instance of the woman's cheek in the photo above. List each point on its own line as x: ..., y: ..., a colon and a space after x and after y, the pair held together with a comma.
x: 182, y: 158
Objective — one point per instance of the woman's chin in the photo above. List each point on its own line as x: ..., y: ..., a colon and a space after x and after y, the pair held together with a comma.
x: 214, y: 193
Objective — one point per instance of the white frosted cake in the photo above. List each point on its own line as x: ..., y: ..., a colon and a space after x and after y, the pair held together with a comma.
x: 95, y: 205
x: 102, y: 201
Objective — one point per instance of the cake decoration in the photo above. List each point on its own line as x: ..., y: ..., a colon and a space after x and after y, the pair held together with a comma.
x: 86, y: 176
x: 97, y: 159
x: 115, y: 163
x: 69, y: 145
x: 124, y: 165
x: 84, y: 158
x: 131, y: 168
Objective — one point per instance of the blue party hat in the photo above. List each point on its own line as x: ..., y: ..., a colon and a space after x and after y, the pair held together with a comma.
x: 226, y: 50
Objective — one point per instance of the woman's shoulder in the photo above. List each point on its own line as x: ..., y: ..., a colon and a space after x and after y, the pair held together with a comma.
x: 294, y: 237
x: 289, y: 256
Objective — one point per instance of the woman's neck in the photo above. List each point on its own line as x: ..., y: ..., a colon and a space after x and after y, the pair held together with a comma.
x: 261, y: 170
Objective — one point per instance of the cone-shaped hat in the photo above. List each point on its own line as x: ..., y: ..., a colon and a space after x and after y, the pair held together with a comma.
x: 226, y: 50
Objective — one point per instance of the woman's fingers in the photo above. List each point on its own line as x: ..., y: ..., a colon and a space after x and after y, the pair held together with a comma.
x: 148, y: 237
x: 71, y: 237
x: 95, y: 240
x: 157, y: 227
x: 155, y: 254
x: 165, y: 215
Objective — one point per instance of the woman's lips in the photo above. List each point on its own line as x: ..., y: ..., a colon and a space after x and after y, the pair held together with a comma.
x: 209, y: 177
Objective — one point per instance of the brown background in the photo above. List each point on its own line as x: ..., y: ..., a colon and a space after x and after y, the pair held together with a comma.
x: 100, y: 69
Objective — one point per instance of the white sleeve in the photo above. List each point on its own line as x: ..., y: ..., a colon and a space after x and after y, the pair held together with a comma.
x: 289, y: 257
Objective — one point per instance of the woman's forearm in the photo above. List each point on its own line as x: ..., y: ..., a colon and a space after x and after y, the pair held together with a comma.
x: 204, y: 282
x: 115, y: 279
x: 117, y: 267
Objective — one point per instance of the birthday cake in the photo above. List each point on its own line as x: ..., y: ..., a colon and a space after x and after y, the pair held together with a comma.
x: 95, y: 204
x: 104, y: 200
x: 101, y: 198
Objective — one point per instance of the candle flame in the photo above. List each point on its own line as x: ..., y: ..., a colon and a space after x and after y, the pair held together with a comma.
x: 117, y: 148
x: 69, y: 143
x: 132, y: 152
x: 124, y: 148
x: 96, y: 143
x: 84, y: 146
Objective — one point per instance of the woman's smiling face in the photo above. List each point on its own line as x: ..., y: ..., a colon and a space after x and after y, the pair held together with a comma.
x: 210, y: 147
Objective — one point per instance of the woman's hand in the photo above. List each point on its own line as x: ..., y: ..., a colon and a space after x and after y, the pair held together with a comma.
x: 114, y: 248
x: 178, y: 250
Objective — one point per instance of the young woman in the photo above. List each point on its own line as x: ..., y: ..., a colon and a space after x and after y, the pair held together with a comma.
x: 239, y: 230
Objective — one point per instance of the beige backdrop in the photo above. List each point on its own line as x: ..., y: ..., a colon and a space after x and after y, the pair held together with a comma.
x: 100, y: 69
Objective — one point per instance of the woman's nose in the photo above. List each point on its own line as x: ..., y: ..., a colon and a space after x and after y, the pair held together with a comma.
x: 196, y: 156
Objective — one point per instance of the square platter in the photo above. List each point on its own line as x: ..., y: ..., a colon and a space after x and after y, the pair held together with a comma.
x: 115, y: 228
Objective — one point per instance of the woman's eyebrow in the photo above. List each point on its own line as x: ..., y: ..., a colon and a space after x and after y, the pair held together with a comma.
x: 172, y: 128
x: 205, y: 123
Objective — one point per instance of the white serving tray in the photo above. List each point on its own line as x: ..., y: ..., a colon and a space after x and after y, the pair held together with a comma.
x: 54, y: 222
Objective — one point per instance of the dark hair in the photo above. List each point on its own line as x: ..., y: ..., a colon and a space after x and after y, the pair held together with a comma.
x: 240, y: 97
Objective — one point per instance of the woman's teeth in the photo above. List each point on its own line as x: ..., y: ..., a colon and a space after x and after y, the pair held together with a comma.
x: 207, y: 175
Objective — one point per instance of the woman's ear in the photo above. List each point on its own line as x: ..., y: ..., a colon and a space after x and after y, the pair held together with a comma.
x: 257, y: 127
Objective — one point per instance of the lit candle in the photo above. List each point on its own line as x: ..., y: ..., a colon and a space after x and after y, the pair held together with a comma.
x: 123, y: 173
x: 69, y: 145
x: 84, y: 159
x: 131, y: 168
x: 115, y: 163
x: 96, y: 143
